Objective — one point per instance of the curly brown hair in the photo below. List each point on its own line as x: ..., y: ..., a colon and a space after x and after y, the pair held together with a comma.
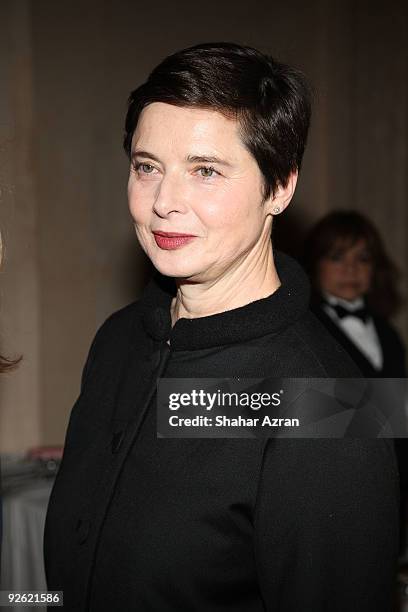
x: 348, y: 227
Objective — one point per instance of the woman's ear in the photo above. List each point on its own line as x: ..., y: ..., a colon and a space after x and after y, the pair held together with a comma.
x: 279, y: 201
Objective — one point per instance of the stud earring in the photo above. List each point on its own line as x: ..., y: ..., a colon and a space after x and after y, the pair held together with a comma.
x: 276, y: 210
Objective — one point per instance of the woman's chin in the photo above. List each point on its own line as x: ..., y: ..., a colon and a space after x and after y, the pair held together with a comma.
x: 175, y: 270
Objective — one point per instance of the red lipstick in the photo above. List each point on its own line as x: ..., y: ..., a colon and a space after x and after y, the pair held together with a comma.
x: 171, y: 240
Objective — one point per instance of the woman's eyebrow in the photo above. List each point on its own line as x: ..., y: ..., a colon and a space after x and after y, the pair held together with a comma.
x: 208, y: 159
x: 144, y: 154
x: 194, y: 159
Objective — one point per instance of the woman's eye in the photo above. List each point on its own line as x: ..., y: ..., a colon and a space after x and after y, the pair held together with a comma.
x: 145, y: 168
x: 207, y: 171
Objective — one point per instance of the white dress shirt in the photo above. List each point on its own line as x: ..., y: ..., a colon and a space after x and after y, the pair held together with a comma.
x: 362, y: 334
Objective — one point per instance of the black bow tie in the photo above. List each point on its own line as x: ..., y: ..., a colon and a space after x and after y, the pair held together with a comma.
x: 360, y: 313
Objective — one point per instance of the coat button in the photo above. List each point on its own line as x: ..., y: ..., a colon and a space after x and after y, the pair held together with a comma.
x: 116, y: 442
x: 82, y: 530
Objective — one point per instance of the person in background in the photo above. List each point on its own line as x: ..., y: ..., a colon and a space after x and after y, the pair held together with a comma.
x: 355, y: 291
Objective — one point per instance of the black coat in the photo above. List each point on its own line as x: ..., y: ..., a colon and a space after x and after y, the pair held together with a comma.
x: 139, y: 524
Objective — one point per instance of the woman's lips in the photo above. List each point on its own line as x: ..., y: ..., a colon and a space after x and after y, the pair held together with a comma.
x: 172, y: 240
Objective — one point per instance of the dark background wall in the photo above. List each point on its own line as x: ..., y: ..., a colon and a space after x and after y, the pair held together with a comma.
x: 66, y: 71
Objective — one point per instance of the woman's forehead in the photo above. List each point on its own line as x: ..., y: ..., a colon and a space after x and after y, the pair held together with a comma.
x: 166, y: 125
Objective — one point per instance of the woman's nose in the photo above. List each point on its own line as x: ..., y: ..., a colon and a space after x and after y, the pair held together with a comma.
x: 170, y: 197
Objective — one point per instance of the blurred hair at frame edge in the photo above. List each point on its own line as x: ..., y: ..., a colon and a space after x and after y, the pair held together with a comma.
x: 6, y: 364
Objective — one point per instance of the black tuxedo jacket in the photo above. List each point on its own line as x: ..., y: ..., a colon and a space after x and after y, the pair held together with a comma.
x: 392, y: 347
x: 394, y: 366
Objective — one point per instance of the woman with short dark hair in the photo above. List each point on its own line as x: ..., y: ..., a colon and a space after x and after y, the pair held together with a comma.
x: 215, y: 139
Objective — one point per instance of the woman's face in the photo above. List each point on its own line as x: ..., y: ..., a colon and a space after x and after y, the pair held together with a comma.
x: 346, y: 271
x: 195, y: 192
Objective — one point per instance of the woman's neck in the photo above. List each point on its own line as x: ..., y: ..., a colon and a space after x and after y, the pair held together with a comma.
x: 253, y: 278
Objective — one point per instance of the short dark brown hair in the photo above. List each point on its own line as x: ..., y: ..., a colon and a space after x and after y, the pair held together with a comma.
x: 270, y: 100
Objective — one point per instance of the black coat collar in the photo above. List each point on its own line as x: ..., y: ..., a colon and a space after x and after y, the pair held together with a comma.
x: 272, y: 314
